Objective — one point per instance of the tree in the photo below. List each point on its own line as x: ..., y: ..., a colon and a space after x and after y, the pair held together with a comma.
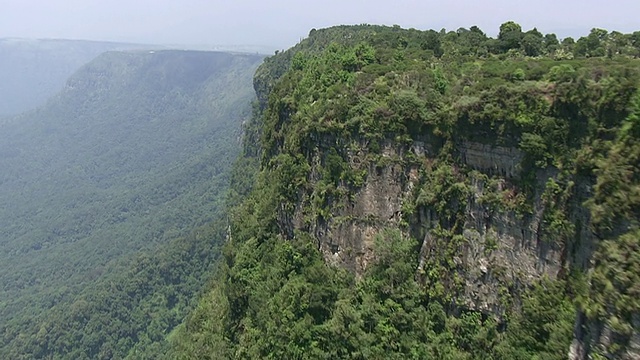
x: 616, y: 43
x: 532, y: 45
x: 432, y: 42
x: 510, y: 36
x: 470, y: 40
x: 593, y: 44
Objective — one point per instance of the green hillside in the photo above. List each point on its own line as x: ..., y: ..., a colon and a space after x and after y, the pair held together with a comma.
x: 131, y: 157
x: 434, y: 195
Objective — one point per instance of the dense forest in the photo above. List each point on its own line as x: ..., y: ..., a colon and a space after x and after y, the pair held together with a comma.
x: 398, y: 194
x: 510, y: 166
x: 107, y: 197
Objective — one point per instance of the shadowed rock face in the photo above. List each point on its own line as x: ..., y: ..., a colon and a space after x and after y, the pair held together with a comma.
x: 597, y: 335
x: 492, y: 159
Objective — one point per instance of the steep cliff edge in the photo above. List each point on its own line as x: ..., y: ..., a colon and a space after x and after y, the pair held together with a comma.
x: 471, y: 196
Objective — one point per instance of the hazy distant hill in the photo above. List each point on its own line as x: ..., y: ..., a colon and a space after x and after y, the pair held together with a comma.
x: 33, y: 70
x: 133, y: 152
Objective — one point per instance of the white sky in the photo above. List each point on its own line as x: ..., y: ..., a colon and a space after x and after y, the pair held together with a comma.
x: 282, y: 23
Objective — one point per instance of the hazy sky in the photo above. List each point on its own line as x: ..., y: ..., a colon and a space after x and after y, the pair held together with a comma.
x: 282, y: 23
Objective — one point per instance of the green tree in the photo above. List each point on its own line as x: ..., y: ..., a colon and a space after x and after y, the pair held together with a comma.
x: 510, y: 36
x: 533, y: 43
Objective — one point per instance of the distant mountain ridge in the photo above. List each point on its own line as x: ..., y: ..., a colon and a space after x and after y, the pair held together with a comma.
x: 33, y: 70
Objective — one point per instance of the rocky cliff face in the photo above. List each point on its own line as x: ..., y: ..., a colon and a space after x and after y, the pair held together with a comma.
x: 491, y: 215
x: 347, y: 237
x: 501, y: 252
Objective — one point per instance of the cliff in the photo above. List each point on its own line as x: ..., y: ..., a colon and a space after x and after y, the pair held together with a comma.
x: 386, y: 150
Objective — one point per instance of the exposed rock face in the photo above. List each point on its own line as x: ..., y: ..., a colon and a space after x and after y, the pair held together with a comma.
x: 503, y: 251
x: 347, y: 238
x: 593, y: 336
x: 491, y: 159
x: 349, y: 242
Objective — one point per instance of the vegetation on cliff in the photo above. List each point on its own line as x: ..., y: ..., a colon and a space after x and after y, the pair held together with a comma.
x: 570, y: 107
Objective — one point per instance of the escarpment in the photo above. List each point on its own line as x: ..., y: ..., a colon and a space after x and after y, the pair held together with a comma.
x: 494, y: 194
x: 400, y: 148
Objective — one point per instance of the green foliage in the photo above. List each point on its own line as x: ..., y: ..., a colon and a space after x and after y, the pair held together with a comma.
x: 510, y: 35
x: 561, y: 73
x: 535, y: 147
x: 615, y: 291
x: 615, y: 209
x: 544, y: 326
x: 616, y: 201
x: 106, y: 197
x: 445, y: 191
x: 557, y: 227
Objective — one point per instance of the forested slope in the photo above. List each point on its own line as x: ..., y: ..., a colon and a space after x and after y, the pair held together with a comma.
x: 418, y: 194
x: 130, y: 158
